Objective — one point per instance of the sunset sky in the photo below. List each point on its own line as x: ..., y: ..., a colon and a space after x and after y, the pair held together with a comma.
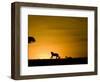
x: 66, y: 36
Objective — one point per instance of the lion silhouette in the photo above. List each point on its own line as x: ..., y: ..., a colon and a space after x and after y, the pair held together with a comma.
x: 55, y: 55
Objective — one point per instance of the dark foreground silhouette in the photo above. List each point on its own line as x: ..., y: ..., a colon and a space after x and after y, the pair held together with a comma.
x: 66, y: 61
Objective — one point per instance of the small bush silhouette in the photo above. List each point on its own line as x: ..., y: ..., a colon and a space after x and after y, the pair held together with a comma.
x: 66, y: 57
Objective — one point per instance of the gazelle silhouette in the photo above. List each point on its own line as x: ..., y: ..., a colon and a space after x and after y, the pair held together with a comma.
x: 55, y: 55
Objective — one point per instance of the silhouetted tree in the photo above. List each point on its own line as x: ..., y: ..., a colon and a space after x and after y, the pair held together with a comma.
x: 31, y: 39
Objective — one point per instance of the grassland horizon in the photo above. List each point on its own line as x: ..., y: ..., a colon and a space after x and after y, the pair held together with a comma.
x: 63, y: 61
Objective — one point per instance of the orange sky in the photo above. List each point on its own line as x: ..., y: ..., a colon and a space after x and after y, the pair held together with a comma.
x: 66, y: 36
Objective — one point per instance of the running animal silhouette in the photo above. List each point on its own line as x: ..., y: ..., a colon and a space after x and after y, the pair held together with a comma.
x: 55, y: 55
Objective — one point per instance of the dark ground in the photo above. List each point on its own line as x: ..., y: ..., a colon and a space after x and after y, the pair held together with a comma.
x: 47, y: 62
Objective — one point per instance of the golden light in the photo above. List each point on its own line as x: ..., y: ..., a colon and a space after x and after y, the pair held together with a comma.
x: 66, y: 36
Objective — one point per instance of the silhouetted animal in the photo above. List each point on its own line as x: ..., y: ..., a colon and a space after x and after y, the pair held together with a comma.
x: 31, y: 39
x: 55, y: 55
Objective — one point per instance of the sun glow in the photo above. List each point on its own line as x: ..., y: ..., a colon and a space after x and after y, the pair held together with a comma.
x: 66, y: 36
